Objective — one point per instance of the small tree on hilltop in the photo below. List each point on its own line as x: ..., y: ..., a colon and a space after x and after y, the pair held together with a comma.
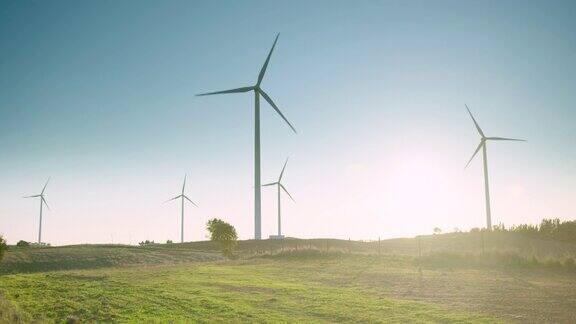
x: 224, y: 233
x: 23, y: 243
x: 3, y: 247
x: 437, y: 230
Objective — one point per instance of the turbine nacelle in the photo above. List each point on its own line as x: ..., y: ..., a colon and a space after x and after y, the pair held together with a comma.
x: 484, y: 138
x: 182, y: 195
x: 41, y: 195
x: 279, y: 182
x: 257, y: 88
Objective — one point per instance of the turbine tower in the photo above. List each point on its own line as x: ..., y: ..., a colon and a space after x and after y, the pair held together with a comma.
x: 42, y: 202
x: 482, y: 145
x: 258, y: 91
x: 183, y: 197
x: 280, y: 187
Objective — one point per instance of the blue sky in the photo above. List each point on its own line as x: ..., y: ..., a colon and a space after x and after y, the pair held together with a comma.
x: 100, y: 96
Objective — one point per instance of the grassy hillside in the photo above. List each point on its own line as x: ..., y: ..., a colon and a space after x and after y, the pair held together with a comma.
x: 34, y: 259
x: 256, y: 290
x: 293, y: 280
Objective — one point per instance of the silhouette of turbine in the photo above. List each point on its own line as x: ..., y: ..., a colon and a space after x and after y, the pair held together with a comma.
x: 280, y: 187
x: 183, y: 197
x: 42, y: 202
x: 482, y: 145
x: 258, y: 91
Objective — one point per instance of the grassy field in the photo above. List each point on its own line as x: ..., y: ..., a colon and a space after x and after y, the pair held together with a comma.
x: 296, y: 280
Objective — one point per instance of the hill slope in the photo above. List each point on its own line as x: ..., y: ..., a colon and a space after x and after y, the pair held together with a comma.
x: 35, y: 259
x: 318, y: 280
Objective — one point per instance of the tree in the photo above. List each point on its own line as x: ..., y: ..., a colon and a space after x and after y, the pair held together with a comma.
x: 3, y: 247
x: 224, y: 233
x: 437, y: 230
x: 23, y: 243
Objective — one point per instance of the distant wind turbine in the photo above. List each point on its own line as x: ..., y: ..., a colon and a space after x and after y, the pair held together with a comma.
x: 42, y: 202
x: 482, y: 145
x: 183, y: 197
x: 280, y: 187
x: 258, y: 91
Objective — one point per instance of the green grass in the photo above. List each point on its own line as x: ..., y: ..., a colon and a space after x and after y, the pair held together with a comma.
x: 247, y: 291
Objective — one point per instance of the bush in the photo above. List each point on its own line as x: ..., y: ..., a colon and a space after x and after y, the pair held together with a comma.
x: 3, y: 247
x: 147, y: 242
x: 23, y: 243
x: 492, y: 260
x: 224, y: 233
x: 550, y: 229
x: 169, y: 242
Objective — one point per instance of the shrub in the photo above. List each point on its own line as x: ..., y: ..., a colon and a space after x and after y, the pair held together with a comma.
x: 3, y: 247
x: 224, y: 233
x: 23, y: 243
x: 169, y: 242
x: 147, y: 242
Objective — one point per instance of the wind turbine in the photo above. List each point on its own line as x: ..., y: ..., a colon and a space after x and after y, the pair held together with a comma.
x: 42, y: 202
x: 183, y: 197
x: 482, y: 145
x: 258, y: 91
x: 280, y: 187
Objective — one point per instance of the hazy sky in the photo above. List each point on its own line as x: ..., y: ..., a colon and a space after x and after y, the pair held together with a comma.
x: 99, y: 95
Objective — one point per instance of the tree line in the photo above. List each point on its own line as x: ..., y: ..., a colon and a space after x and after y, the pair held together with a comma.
x: 548, y: 229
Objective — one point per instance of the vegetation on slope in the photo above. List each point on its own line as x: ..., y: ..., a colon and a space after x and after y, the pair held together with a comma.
x: 241, y: 291
x: 37, y: 259
x: 305, y: 280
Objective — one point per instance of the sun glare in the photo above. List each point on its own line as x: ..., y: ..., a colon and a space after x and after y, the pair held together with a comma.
x: 418, y: 190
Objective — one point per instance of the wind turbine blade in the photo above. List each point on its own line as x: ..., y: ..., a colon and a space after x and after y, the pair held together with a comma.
x: 286, y: 191
x: 282, y: 173
x: 184, y: 185
x: 475, y: 123
x: 45, y: 203
x: 193, y: 203
x: 265, y: 95
x: 270, y: 184
x: 475, y: 152
x: 263, y: 70
x: 31, y: 196
x: 45, y: 186
x: 237, y: 90
x: 173, y: 198
x: 504, y: 139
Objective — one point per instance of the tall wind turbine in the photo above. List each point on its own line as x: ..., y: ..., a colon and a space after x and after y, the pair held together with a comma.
x: 183, y: 197
x: 280, y: 187
x: 42, y: 202
x: 258, y: 91
x: 482, y: 145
